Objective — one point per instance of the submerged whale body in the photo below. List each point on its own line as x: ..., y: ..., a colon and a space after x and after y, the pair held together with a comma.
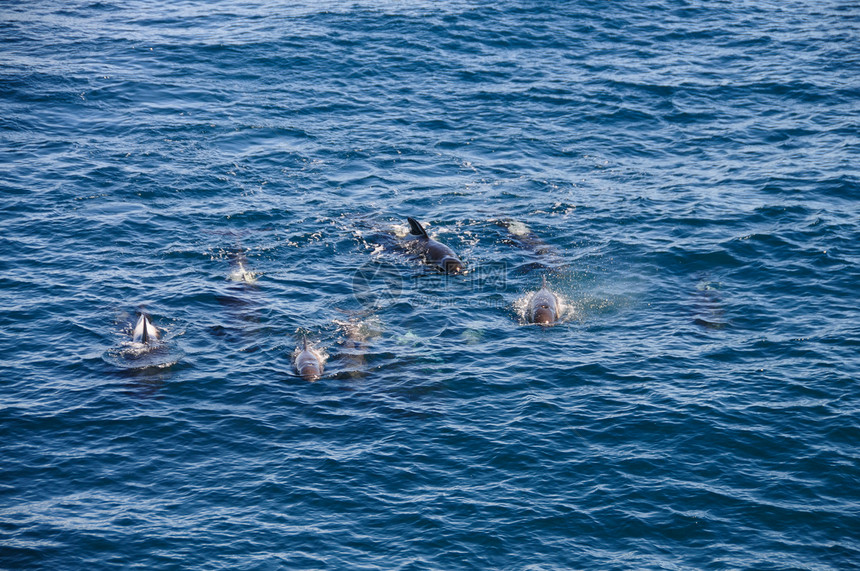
x: 144, y: 331
x: 543, y: 306
x: 544, y: 257
x: 522, y: 236
x: 432, y: 251
x: 354, y: 347
x: 308, y: 363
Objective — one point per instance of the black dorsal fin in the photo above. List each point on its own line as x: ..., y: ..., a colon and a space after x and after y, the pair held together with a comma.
x: 415, y: 228
x: 145, y: 337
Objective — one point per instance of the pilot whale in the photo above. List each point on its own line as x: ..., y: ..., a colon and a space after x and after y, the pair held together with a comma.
x: 308, y: 363
x: 240, y: 272
x: 522, y: 236
x: 543, y: 306
x: 354, y: 347
x: 543, y: 256
x: 432, y: 251
x: 144, y: 331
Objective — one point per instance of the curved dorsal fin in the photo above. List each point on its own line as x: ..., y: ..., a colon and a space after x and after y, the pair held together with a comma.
x: 416, y: 228
x: 543, y: 285
x: 304, y: 342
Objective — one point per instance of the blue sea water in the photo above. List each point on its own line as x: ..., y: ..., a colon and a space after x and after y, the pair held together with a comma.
x: 683, y: 174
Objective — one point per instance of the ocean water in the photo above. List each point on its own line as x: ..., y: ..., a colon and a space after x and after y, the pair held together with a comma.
x: 684, y: 175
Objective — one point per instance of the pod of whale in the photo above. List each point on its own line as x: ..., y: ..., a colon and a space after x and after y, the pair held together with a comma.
x: 433, y: 252
x: 542, y: 308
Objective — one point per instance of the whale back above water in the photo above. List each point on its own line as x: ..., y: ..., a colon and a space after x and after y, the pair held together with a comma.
x: 240, y: 272
x: 434, y: 252
x: 144, y: 330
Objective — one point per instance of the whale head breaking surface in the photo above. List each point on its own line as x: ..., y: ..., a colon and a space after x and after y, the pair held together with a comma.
x: 308, y: 363
x: 543, y: 306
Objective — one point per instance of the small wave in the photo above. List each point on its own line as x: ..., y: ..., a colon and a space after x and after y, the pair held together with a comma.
x: 132, y: 355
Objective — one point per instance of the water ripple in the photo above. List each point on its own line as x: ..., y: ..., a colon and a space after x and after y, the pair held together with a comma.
x: 681, y: 173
